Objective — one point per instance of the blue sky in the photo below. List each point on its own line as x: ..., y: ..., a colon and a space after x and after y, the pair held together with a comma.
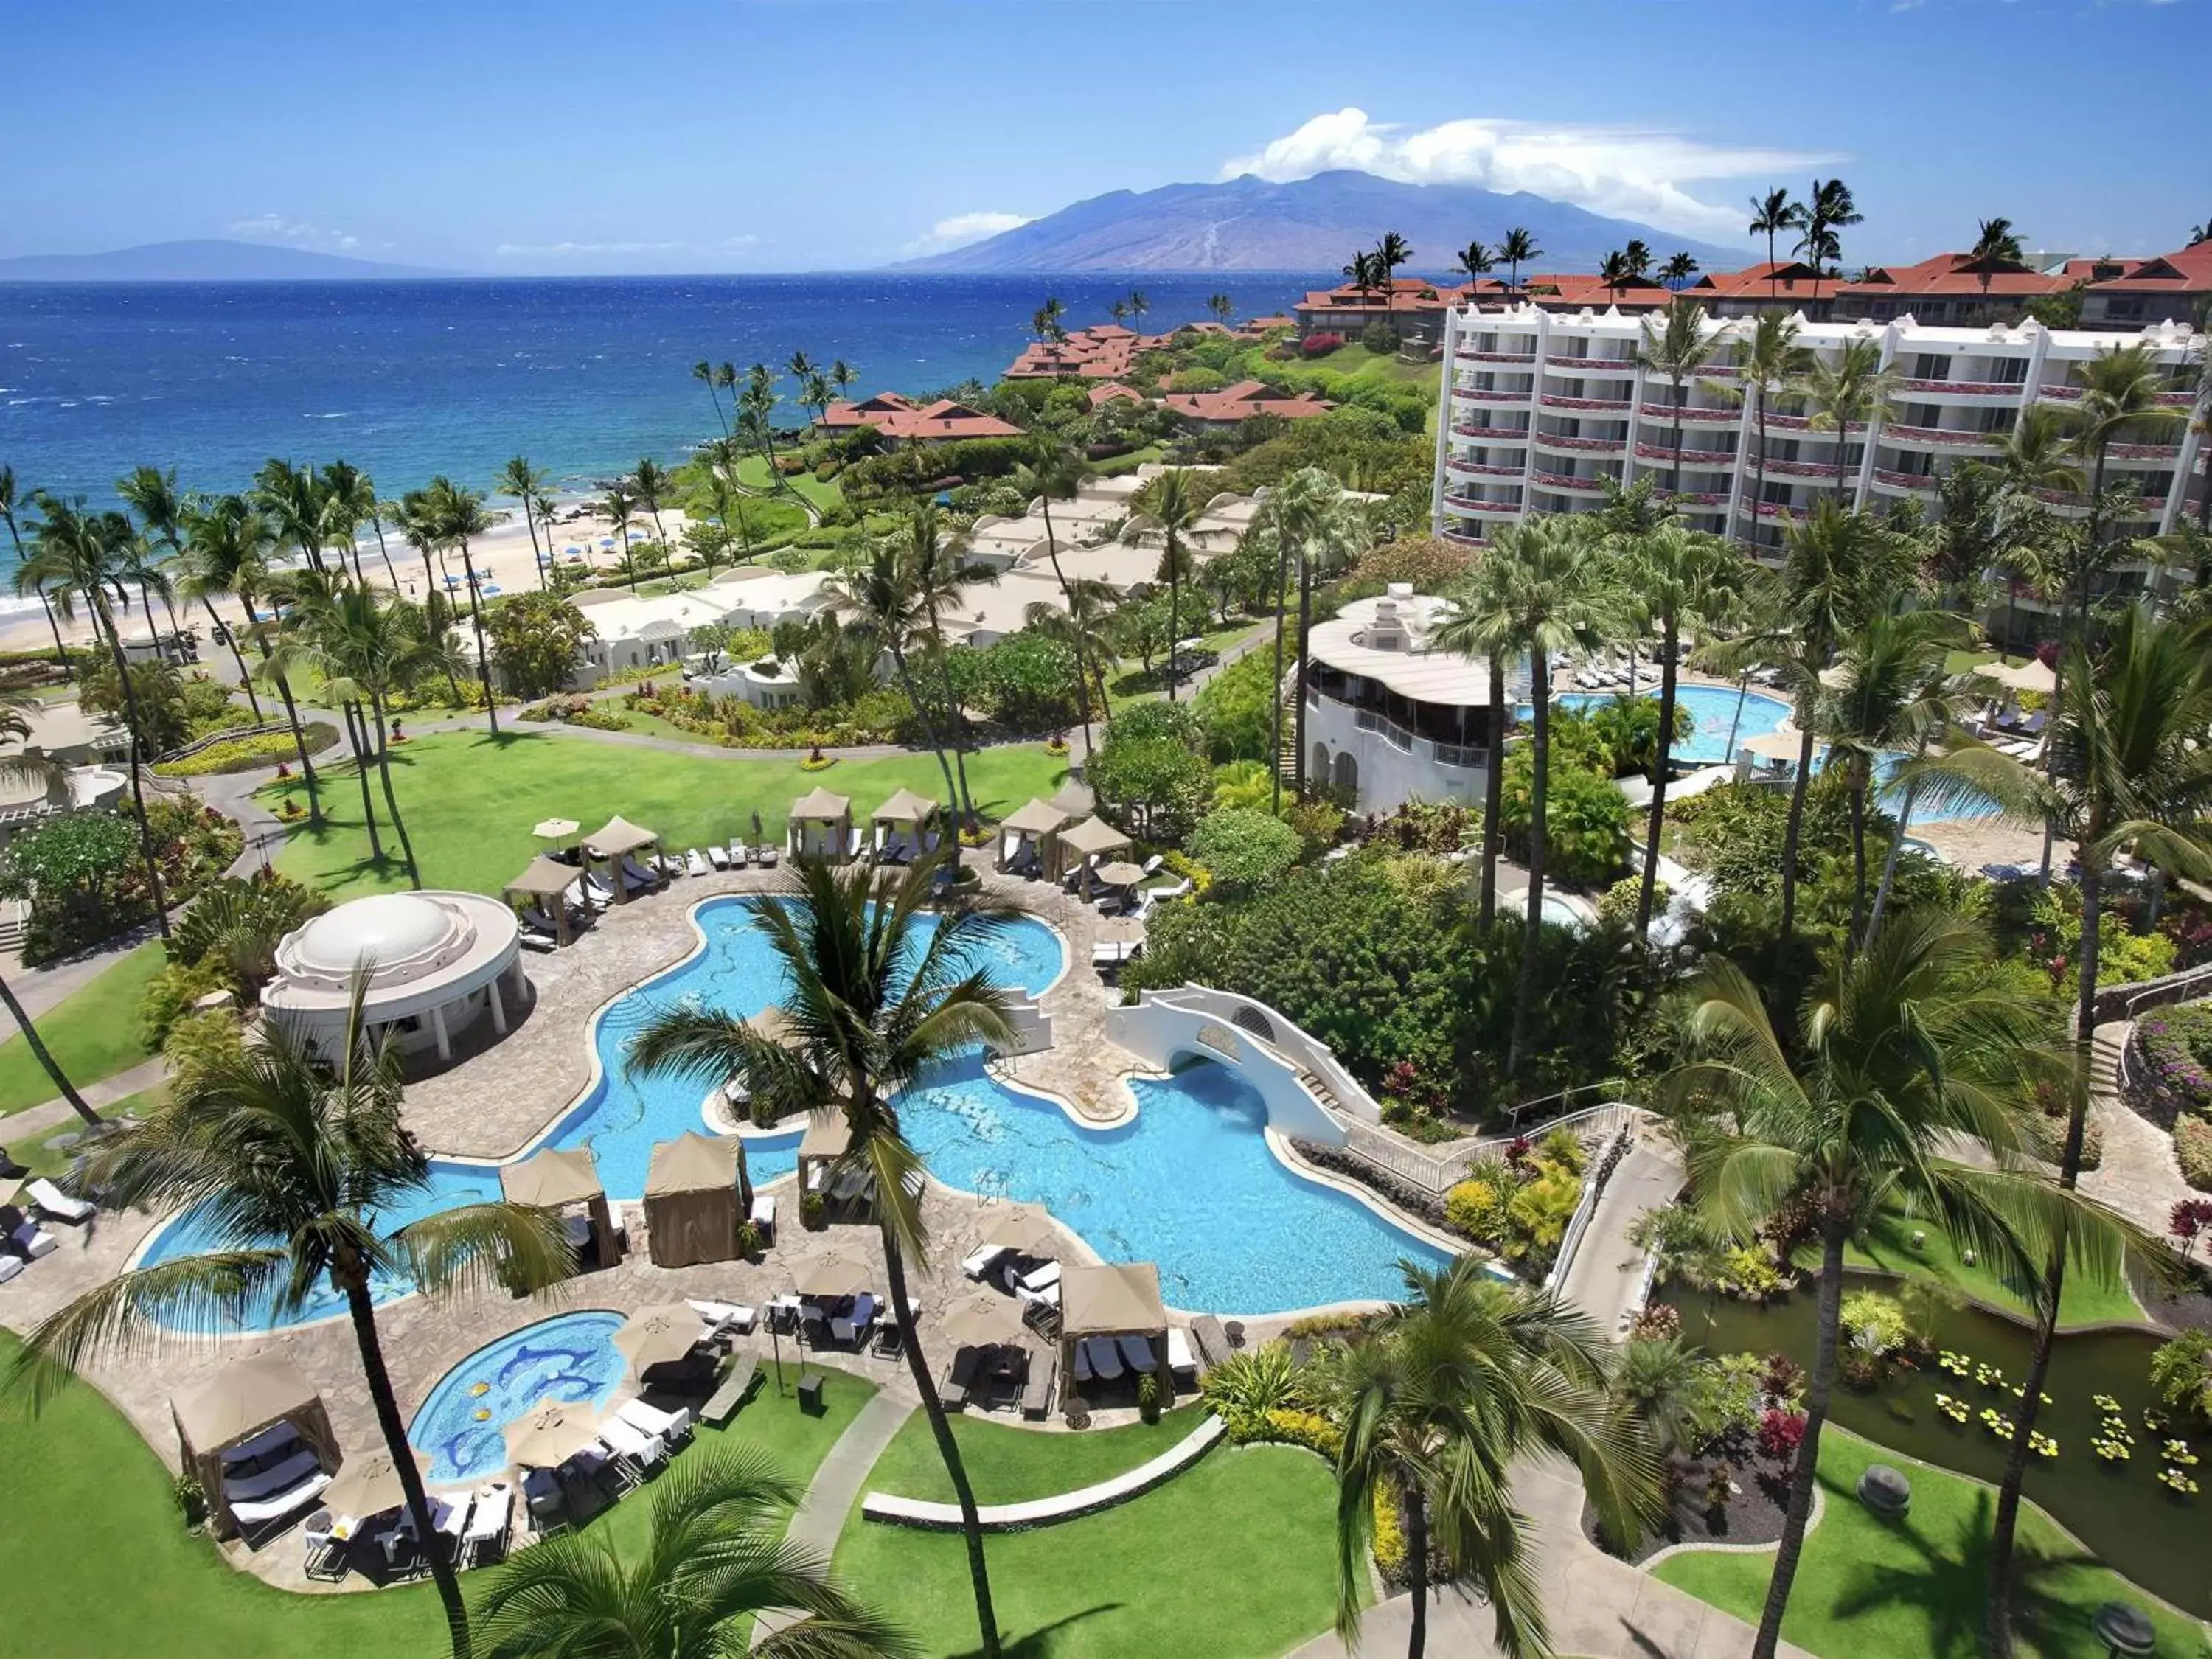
x: 572, y: 136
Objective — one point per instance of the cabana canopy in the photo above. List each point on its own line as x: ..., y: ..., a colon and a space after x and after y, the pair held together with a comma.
x: 1089, y: 838
x: 695, y: 1194
x: 1774, y: 745
x: 617, y: 837
x: 550, y: 1433
x: 772, y: 1025
x: 833, y: 812
x: 1038, y: 817
x: 905, y: 807
x: 241, y: 1400
x: 828, y: 1136
x: 2029, y: 676
x: 1113, y: 1299
x: 546, y: 879
x: 554, y: 1179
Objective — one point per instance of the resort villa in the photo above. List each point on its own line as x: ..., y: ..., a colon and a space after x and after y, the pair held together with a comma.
x: 1242, y: 401
x: 635, y: 633
x: 902, y: 420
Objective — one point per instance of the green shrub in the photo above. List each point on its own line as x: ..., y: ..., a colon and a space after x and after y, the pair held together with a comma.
x: 1246, y: 849
x: 199, y: 1040
x: 1874, y: 1321
x: 1537, y: 1215
x: 1389, y: 1536
x: 1379, y: 339
x: 249, y: 754
x: 1749, y: 1272
x: 1243, y: 1388
x: 1148, y: 1396
x: 1476, y: 1210
x: 1562, y: 1147
x: 2181, y: 1372
x: 2192, y: 1150
x: 237, y: 924
x: 1237, y: 709
x: 170, y: 995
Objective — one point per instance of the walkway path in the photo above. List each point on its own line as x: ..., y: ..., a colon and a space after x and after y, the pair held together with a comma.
x: 838, y: 1482
x: 2138, y: 1175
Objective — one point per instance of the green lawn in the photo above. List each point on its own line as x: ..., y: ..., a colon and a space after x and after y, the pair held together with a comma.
x: 470, y: 801
x: 43, y: 1158
x: 93, y: 1033
x: 108, y: 1504
x: 1127, y: 462
x: 753, y: 473
x: 1888, y: 1246
x: 1232, y: 1558
x: 1009, y: 1465
x: 1914, y: 1590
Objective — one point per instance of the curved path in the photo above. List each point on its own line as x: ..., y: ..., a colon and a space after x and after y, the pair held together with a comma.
x: 836, y: 1483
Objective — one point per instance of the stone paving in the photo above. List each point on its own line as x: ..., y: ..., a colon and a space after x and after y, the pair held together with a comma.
x: 2138, y: 1175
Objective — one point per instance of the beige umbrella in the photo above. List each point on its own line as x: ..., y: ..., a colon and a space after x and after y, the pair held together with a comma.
x: 772, y: 1025
x: 551, y: 1433
x: 1120, y: 873
x: 834, y: 1275
x: 1774, y: 745
x: 2029, y: 676
x: 982, y: 1321
x: 555, y: 828
x: 10, y: 1186
x: 655, y: 1335
x: 1025, y: 1229
x: 369, y: 1484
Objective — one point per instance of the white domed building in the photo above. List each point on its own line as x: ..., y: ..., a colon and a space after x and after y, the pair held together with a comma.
x: 437, y: 963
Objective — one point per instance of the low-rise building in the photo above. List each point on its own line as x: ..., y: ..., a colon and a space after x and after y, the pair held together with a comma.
x: 636, y: 632
x: 1238, y: 403
x: 904, y: 421
x: 1388, y: 717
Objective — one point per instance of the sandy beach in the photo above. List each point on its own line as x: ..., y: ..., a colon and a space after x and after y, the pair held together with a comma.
x: 505, y: 552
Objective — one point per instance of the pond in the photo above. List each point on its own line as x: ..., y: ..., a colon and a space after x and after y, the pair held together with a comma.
x: 2118, y: 1510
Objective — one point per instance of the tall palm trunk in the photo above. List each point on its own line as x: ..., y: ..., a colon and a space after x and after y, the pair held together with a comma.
x: 139, y: 760
x: 948, y: 1449
x: 1889, y: 862
x: 362, y: 1312
x: 430, y: 591
x: 965, y: 803
x: 1794, y: 828
x: 61, y: 651
x: 385, y: 552
x: 45, y: 1056
x: 237, y: 655
x: 153, y: 628
x: 356, y: 740
x: 1493, y: 795
x: 1524, y: 994
x: 1067, y: 597
x: 2005, y: 1522
x: 1174, y: 612
x: 1305, y: 615
x: 929, y: 734
x: 1759, y: 472
x: 483, y: 651
x: 1670, y: 634
x: 1861, y: 781
x: 1275, y: 723
x: 390, y: 800
x: 1818, y: 1386
x: 1417, y: 1566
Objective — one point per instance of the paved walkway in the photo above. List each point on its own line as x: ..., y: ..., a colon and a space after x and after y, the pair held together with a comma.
x: 837, y: 1483
x: 2138, y: 1175
x: 36, y: 1120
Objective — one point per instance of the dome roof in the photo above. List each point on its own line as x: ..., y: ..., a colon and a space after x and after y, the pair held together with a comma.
x: 388, y: 929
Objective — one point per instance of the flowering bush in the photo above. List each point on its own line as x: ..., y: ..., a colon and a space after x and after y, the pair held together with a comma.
x: 2170, y: 1062
x: 2192, y: 1150
x: 1320, y: 345
x: 1780, y: 1433
x: 1389, y: 1538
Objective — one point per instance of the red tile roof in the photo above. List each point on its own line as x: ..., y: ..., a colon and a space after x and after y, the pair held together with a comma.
x: 1113, y: 391
x: 1244, y: 399
x: 1946, y: 274
x: 2187, y: 271
x: 1406, y: 295
x: 900, y: 418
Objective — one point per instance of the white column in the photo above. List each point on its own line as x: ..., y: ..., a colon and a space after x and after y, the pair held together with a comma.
x: 438, y: 1030
x: 1444, y: 418
x: 498, y: 1007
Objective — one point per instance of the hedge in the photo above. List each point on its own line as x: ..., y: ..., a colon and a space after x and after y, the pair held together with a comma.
x: 245, y: 754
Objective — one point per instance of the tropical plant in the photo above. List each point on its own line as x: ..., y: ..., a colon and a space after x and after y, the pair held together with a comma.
x: 1172, y: 503
x: 1677, y: 350
x: 351, y: 494
x: 1770, y: 364
x: 650, y: 482
x: 1323, y: 529
x: 525, y: 484
x: 875, y: 998
x: 7, y: 516
x: 1997, y: 244
x: 287, y: 1160
x: 1829, y: 209
x: 1843, y: 393
x: 17, y: 771
x: 1053, y: 471
x: 1436, y: 1402
x: 1679, y: 268
x: 935, y: 560
x: 1616, y: 273
x: 1475, y: 262
x: 457, y: 515
x: 370, y: 646
x: 1518, y: 249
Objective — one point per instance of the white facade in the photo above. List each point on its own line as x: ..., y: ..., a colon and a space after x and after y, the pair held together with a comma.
x: 647, y: 633
x: 1541, y: 410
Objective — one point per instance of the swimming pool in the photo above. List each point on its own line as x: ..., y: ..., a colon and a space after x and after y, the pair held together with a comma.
x: 462, y: 1426
x: 1190, y: 1183
x: 1713, y: 712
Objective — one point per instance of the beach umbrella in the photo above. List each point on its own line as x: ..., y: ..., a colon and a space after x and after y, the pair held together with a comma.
x: 834, y: 1275
x: 1024, y: 1229
x: 574, y: 551
x: 551, y: 1433
x: 2029, y: 676
x: 489, y: 589
x: 555, y: 828
x: 982, y: 1321
x: 655, y: 1335
x: 369, y: 1483
x: 10, y: 1186
x: 1120, y: 873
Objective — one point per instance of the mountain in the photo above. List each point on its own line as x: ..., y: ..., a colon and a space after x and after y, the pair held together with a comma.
x: 211, y: 261
x: 1312, y: 224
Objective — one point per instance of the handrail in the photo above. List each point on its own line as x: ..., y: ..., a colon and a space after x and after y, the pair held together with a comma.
x: 265, y: 729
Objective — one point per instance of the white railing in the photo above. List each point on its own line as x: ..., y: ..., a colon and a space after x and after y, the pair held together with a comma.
x: 1276, y: 1032
x: 1601, y: 1169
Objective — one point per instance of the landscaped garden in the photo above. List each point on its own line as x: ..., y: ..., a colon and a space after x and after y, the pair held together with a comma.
x: 93, y: 1033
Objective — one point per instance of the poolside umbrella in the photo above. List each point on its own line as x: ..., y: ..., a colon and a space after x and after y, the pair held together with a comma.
x: 655, y: 1335
x: 552, y: 1431
x: 369, y: 1483
x: 555, y: 828
x: 834, y: 1275
x: 1025, y: 1229
x: 2029, y: 676
x: 9, y: 1186
x: 773, y: 1024
x: 1774, y: 745
x: 982, y: 1321
x: 1120, y: 873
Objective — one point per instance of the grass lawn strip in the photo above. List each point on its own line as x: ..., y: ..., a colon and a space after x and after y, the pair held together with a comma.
x: 43, y: 1158
x: 1888, y: 1246
x: 1914, y: 1589
x: 93, y: 1032
x: 1008, y: 1465
x: 1232, y: 1559
x: 470, y: 801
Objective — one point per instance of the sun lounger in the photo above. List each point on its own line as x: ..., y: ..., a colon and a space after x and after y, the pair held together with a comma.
x: 632, y: 1445
x: 853, y: 842
x: 1105, y: 1357
x: 1137, y: 1351
x: 489, y: 1522
x: 1180, y: 1360
x: 325, y: 1553
x: 718, y: 856
x: 1212, y: 1341
x: 255, y: 1512
x: 673, y: 1428
x: 11, y: 1266
x: 722, y: 1317
x: 763, y: 1216
x: 598, y: 891
x: 57, y: 1203
x: 1037, y: 1393
x: 979, y: 1262
x: 722, y: 1404
x: 636, y: 879
x: 694, y: 863
x: 1036, y: 1284
x: 276, y: 1442
x: 278, y: 1476
x: 34, y: 1240
x: 766, y: 857
x: 961, y: 1378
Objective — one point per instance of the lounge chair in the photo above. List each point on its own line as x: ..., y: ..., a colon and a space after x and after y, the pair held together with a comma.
x: 325, y: 1552
x: 695, y: 864
x: 1037, y: 1283
x: 763, y: 1216
x: 960, y: 1378
x: 738, y: 853
x: 1212, y: 1341
x: 723, y: 1318
x: 1180, y: 1360
x: 1138, y: 1351
x: 980, y: 1261
x: 765, y: 857
x: 854, y: 1330
x: 672, y: 1428
x: 890, y: 1335
x: 254, y: 1513
x: 543, y: 1494
x: 1105, y: 1357
x: 596, y: 891
x: 632, y: 1445
x: 1037, y: 1393
x: 637, y: 879
x: 490, y: 1521
x: 34, y: 1240
x: 11, y: 1266
x: 718, y: 856
x: 53, y: 1201
x: 853, y: 842
x: 722, y: 1404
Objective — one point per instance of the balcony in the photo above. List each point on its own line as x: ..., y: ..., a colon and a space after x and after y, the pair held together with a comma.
x: 1696, y: 499
x: 1483, y: 509
x: 2058, y: 394
x: 1569, y: 483
x: 1804, y: 423
x: 1482, y: 470
x: 1464, y: 355
x: 1612, y: 366
x: 1466, y: 396
x: 1987, y: 443
x: 1691, y: 414
x: 1664, y: 455
x: 2144, y: 452
x: 1477, y: 542
x: 1972, y: 390
x: 1493, y: 435
x: 1565, y: 444
x: 1781, y: 469
x: 1917, y: 483
x: 2076, y: 506
x: 1586, y: 405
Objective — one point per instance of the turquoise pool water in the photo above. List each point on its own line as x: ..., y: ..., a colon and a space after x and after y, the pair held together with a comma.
x: 462, y: 1425
x: 1191, y: 1184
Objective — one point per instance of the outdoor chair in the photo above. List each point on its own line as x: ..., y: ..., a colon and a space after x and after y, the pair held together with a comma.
x: 718, y: 856
x: 1036, y: 1392
x: 53, y: 1201
x: 490, y: 1521
x: 961, y: 1378
x: 1137, y: 1351
x: 32, y: 1240
x: 694, y: 863
x: 326, y: 1557
x: 671, y: 1429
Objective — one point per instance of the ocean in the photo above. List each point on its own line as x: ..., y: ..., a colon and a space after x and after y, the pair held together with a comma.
x: 409, y: 379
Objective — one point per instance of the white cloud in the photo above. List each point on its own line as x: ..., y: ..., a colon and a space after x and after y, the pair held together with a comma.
x: 557, y: 250
x: 1631, y: 173
x: 963, y: 228
x: 293, y: 232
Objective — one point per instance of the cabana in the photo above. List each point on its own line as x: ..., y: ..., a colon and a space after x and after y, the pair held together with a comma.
x: 906, y: 808
x: 257, y: 1423
x: 821, y: 827
x: 1082, y: 845
x: 1104, y: 1304
x: 697, y: 1193
x: 1779, y: 746
x: 541, y: 887
x: 1021, y: 835
x: 555, y: 1180
x: 827, y: 1138
x: 612, y: 844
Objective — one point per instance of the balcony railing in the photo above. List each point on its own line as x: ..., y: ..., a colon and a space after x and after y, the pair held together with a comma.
x: 1691, y: 414
x: 1490, y: 397
x: 1498, y: 435
x: 1494, y: 509
x: 1587, y: 445
x: 1804, y: 423
x: 1569, y: 481
x: 1963, y: 388
x: 2060, y: 394
x: 2069, y: 501
x: 1991, y: 441
x: 1665, y: 452
x: 1591, y: 365
x: 1458, y: 539
x: 1599, y: 405
x: 1698, y: 498
x: 1366, y: 720
x: 2144, y: 452
x: 1498, y: 357
x: 1484, y: 470
x: 1922, y: 482
x: 1800, y: 469
x: 1469, y: 755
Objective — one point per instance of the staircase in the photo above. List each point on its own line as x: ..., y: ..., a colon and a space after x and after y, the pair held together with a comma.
x: 1286, y: 753
x: 1319, y: 1091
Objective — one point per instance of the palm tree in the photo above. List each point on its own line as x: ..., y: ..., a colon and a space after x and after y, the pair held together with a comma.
x: 1771, y: 364
x: 1119, y: 311
x: 1045, y: 322
x: 1138, y: 305
x: 1996, y: 243
x: 15, y: 539
x: 882, y: 598
x: 543, y: 510
x: 842, y: 376
x: 1481, y: 627
x: 1439, y: 1400
x: 418, y: 525
x: 618, y: 503
x: 1519, y: 248
x: 1970, y: 534
x: 1690, y: 582
x: 1475, y: 261
x: 938, y: 571
x: 16, y: 771
x: 758, y: 401
x: 458, y: 514
x: 1085, y: 627
x: 2135, y: 774
x: 1221, y: 308
x: 1390, y: 254
x: 152, y: 494
x: 716, y: 1561
x: 1843, y: 392
x: 1770, y: 214
x: 287, y: 1158
x: 816, y: 397
x: 1638, y: 257
x: 369, y: 646
x: 353, y: 492
x: 293, y: 496
x: 874, y: 1001
x: 306, y: 597
x: 226, y: 550
x: 1899, y: 1053
x: 1615, y: 271
x: 1322, y: 530
x: 80, y: 552
x: 1052, y: 471
x: 704, y: 371
x: 1679, y: 348
x: 525, y: 484
x: 1362, y: 275
x: 799, y: 368
x: 1830, y: 209
x: 651, y: 484
x: 1173, y: 502
x: 2122, y: 399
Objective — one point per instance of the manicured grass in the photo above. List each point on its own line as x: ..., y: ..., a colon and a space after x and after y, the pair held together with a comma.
x: 1354, y: 359
x: 1129, y: 462
x: 753, y: 473
x: 1914, y: 1589
x: 1888, y: 1246
x: 93, y: 1033
x: 1232, y: 1558
x: 1008, y: 1465
x: 470, y: 801
x: 43, y: 1158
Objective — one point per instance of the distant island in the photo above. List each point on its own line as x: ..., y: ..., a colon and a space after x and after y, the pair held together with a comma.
x: 1310, y: 224
x: 213, y: 260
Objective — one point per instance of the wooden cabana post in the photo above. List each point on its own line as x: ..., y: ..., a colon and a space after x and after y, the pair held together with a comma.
x: 1084, y: 844
x: 904, y: 807
x: 1025, y: 831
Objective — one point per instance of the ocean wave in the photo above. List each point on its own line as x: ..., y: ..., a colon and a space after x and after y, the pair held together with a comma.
x: 335, y: 415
